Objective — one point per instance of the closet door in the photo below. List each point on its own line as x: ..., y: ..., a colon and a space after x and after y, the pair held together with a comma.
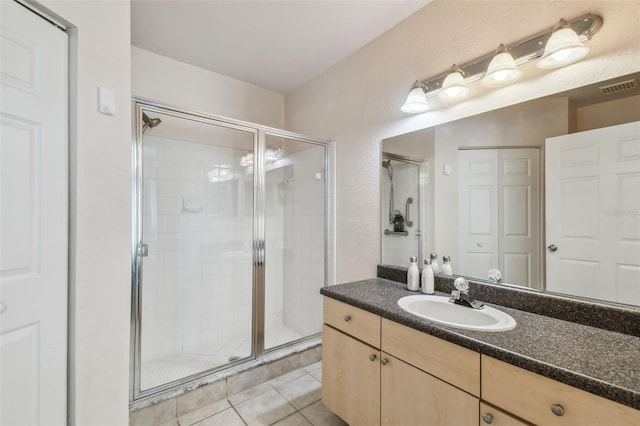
x: 34, y: 182
x: 478, y: 212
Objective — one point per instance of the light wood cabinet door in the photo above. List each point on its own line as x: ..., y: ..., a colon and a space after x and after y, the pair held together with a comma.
x: 350, y: 378
x: 544, y: 401
x: 492, y: 416
x: 413, y: 397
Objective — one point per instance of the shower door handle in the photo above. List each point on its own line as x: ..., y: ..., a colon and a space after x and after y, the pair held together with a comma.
x: 143, y: 250
x: 408, y: 222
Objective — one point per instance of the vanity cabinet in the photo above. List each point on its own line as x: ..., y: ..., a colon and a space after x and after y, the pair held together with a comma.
x: 369, y: 374
x: 379, y: 372
x: 544, y: 401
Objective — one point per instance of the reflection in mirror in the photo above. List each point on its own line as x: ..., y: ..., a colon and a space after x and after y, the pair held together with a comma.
x: 544, y: 194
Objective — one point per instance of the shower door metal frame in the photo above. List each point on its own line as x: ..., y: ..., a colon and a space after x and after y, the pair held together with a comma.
x: 139, y: 105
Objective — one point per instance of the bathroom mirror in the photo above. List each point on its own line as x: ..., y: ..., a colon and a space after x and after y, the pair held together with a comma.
x: 547, y: 192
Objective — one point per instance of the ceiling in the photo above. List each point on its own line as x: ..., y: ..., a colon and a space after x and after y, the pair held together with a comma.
x: 277, y: 45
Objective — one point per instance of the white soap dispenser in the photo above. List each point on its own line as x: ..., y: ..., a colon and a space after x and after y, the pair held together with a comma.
x: 413, y: 275
x: 446, y: 266
x: 427, y: 278
x: 434, y: 263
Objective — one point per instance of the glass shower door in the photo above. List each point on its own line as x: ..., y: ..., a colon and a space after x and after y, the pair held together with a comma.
x: 295, y: 239
x: 195, y: 246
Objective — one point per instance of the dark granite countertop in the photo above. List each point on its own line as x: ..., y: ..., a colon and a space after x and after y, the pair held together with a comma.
x: 602, y: 362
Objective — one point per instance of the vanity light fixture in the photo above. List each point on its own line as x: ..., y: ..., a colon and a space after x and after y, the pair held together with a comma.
x: 502, y: 69
x: 563, y: 48
x: 416, y: 101
x: 454, y: 87
x: 559, y: 46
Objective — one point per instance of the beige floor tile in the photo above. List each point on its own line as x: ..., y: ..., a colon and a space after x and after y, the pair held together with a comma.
x: 227, y: 417
x: 301, y: 392
x: 319, y: 415
x: 313, y: 367
x: 265, y: 409
x: 201, y: 397
x: 296, y: 419
x: 204, y: 412
x: 250, y: 393
x: 317, y: 374
x: 286, y: 378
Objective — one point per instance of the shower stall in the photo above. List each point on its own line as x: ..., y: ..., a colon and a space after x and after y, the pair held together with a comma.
x: 229, y: 247
x: 404, y: 183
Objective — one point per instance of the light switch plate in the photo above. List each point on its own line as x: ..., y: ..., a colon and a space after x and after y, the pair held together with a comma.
x: 106, y: 101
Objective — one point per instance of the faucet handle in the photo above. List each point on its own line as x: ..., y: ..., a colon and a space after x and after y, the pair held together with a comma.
x: 461, y: 284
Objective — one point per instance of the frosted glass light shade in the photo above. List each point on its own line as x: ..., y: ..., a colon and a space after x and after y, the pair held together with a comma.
x: 416, y: 102
x: 502, y: 70
x: 563, y: 48
x: 453, y: 88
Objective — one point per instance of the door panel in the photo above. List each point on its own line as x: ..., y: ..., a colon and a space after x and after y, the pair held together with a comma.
x: 34, y: 182
x: 592, y: 213
x: 499, y: 214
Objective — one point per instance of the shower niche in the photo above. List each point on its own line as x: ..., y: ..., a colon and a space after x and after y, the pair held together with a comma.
x: 229, y: 246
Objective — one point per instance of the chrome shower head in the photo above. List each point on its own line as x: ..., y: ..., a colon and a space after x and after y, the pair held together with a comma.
x: 149, y: 122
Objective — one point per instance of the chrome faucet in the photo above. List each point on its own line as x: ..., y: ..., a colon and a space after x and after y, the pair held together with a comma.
x: 460, y: 296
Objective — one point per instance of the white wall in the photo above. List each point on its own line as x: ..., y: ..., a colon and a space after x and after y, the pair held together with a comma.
x: 357, y: 102
x: 170, y: 82
x: 100, y: 211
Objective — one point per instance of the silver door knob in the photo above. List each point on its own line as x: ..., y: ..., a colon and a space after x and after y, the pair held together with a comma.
x: 552, y: 248
x: 372, y: 357
x: 557, y: 409
x: 487, y: 417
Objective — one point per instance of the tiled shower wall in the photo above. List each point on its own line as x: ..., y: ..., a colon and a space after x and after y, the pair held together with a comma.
x: 197, y: 221
x: 397, y: 249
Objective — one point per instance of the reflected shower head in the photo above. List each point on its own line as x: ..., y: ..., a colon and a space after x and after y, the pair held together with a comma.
x: 149, y: 122
x: 386, y: 163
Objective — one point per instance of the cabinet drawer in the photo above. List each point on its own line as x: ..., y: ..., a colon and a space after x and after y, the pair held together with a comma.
x: 494, y: 417
x: 356, y: 322
x: 454, y: 364
x: 531, y: 396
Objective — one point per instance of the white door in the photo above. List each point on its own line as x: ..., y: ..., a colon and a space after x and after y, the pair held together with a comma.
x: 499, y: 214
x: 478, y: 212
x: 520, y: 216
x: 33, y: 251
x: 593, y: 213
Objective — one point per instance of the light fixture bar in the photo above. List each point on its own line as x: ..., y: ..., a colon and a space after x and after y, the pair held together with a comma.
x: 523, y: 51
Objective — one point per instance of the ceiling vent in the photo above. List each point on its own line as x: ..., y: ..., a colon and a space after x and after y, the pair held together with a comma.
x: 619, y: 87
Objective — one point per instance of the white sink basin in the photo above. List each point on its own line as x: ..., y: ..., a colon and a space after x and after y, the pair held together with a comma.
x: 439, y: 309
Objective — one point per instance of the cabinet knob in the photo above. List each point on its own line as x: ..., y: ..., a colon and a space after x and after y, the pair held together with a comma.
x: 487, y: 417
x: 557, y: 409
x: 372, y: 357
x: 347, y: 317
x: 384, y: 361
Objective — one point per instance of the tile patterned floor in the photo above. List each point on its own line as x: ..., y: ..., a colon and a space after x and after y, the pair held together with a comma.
x: 289, y: 400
